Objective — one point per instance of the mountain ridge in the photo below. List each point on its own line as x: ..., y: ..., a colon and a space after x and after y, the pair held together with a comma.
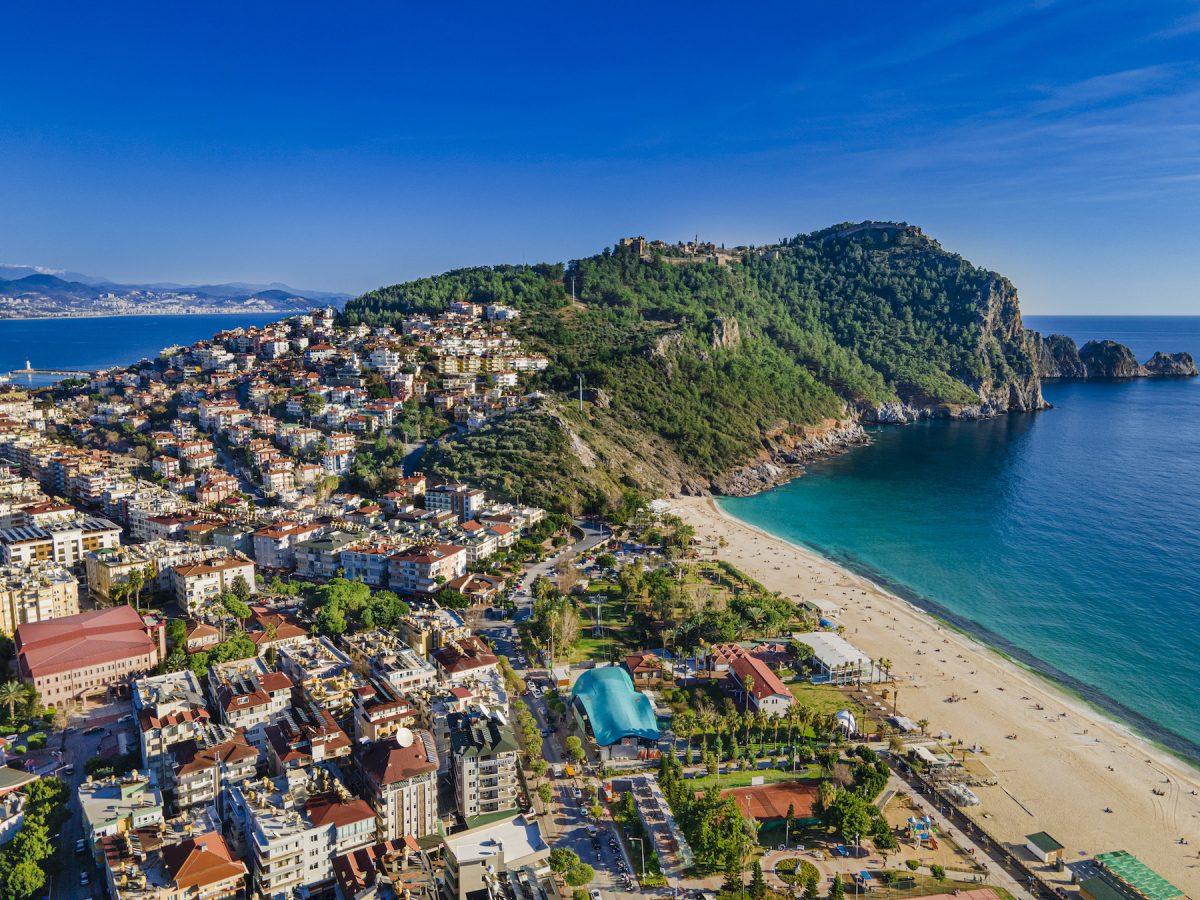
x: 45, y: 293
x: 702, y: 362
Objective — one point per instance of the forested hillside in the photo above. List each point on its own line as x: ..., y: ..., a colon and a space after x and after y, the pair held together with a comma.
x: 693, y: 368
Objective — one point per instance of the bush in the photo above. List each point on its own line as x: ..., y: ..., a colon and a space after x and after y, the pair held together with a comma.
x: 912, y: 864
x: 938, y: 872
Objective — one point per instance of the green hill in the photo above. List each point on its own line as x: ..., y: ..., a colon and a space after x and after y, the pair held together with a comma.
x: 698, y: 364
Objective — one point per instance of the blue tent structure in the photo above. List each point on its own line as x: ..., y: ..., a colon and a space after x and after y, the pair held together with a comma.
x: 614, y: 709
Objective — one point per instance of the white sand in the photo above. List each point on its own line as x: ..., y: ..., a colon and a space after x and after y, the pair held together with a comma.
x: 1067, y: 763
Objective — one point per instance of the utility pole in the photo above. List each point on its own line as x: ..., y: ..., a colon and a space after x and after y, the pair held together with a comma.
x: 572, y: 288
x: 580, y: 377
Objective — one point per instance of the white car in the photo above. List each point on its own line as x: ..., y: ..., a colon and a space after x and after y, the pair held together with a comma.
x: 594, y: 894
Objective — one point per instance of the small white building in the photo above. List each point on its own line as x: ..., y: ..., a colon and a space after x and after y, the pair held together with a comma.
x: 838, y: 661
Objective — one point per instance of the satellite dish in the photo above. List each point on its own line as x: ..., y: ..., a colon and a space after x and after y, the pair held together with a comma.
x: 404, y: 737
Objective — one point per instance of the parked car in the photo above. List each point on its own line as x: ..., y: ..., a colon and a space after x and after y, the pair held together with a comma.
x: 80, y: 846
x: 95, y: 729
x: 83, y: 878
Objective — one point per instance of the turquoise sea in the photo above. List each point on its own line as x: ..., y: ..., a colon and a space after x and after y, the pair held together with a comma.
x: 1068, y: 538
x: 97, y: 342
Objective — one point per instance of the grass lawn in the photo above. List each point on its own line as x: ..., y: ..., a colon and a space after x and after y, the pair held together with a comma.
x: 824, y: 698
x: 743, y: 777
x: 927, y: 885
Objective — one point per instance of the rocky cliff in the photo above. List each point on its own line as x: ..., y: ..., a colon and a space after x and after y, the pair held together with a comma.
x: 1057, y: 356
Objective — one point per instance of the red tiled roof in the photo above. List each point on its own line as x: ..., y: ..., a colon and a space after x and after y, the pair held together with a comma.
x: 86, y: 639
x: 201, y: 861
x: 191, y: 758
x: 464, y: 655
x: 387, y: 762
x: 766, y: 682
x: 327, y: 809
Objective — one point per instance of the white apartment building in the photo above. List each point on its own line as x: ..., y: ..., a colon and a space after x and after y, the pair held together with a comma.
x: 36, y: 594
x: 170, y: 709
x: 400, y: 775
x: 65, y: 543
x: 423, y: 570
x: 198, y: 584
x: 289, y: 829
x: 483, y: 750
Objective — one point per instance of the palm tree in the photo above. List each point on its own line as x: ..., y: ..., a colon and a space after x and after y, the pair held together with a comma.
x: 12, y: 693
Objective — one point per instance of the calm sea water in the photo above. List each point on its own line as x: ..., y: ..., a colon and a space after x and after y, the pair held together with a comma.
x: 1070, y: 537
x: 94, y: 343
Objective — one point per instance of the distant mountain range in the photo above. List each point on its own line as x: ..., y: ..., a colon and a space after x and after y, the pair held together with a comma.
x: 34, y: 291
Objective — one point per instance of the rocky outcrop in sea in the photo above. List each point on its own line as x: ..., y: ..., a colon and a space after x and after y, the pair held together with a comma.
x: 1058, y: 357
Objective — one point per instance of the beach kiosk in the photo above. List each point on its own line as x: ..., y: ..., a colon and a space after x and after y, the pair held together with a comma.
x: 1044, y: 848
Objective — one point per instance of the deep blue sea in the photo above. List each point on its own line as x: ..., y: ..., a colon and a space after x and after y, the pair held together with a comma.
x: 1069, y: 538
x: 96, y: 342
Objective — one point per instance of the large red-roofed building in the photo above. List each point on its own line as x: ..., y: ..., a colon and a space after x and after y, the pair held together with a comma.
x: 78, y: 656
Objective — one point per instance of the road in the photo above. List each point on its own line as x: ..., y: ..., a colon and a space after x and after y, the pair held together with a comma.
x: 591, y: 536
x: 78, y: 749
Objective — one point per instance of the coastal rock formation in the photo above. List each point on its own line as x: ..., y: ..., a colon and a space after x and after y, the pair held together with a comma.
x: 1169, y: 364
x: 786, y: 456
x: 1108, y: 359
x: 1057, y: 356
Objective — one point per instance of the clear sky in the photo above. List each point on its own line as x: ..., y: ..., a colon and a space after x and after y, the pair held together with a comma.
x: 347, y: 145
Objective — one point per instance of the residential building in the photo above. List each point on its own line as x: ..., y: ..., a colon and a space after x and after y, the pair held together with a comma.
x: 423, y: 570
x: 63, y: 542
x: 388, y: 658
x: 483, y: 752
x: 380, y: 710
x: 305, y: 735
x: 291, y: 828
x: 480, y: 861
x: 170, y: 709
x: 118, y: 804
x: 461, y: 500
x: 200, y: 867
x: 197, y: 585
x: 432, y: 628
x: 464, y: 659
x: 249, y: 696
x: 320, y: 557
x: 203, y: 765
x: 275, y: 545
x: 36, y: 594
x: 400, y: 775
x: 323, y: 671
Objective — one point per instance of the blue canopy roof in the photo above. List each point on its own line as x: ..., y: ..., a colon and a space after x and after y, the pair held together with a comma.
x: 613, y: 707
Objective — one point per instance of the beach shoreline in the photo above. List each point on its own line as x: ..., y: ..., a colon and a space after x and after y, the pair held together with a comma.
x: 1069, y: 760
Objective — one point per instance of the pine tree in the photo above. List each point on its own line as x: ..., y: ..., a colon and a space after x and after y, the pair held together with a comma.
x: 836, y: 890
x: 758, y: 885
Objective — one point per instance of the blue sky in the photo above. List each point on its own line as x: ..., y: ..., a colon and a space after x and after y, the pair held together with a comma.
x: 344, y: 146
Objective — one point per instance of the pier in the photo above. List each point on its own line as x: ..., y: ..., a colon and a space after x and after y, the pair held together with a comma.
x: 61, y: 373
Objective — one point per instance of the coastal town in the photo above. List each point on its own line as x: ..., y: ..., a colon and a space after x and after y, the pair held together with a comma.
x: 254, y: 649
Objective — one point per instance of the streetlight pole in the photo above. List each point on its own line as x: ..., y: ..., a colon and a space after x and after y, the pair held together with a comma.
x: 580, y: 377
x: 642, y: 850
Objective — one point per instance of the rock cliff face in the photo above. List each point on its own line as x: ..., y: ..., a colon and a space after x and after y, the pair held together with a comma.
x: 1057, y: 356
x: 785, y: 456
x: 1168, y: 364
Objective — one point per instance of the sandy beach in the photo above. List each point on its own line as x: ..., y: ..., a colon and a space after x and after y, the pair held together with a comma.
x: 1067, y: 763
